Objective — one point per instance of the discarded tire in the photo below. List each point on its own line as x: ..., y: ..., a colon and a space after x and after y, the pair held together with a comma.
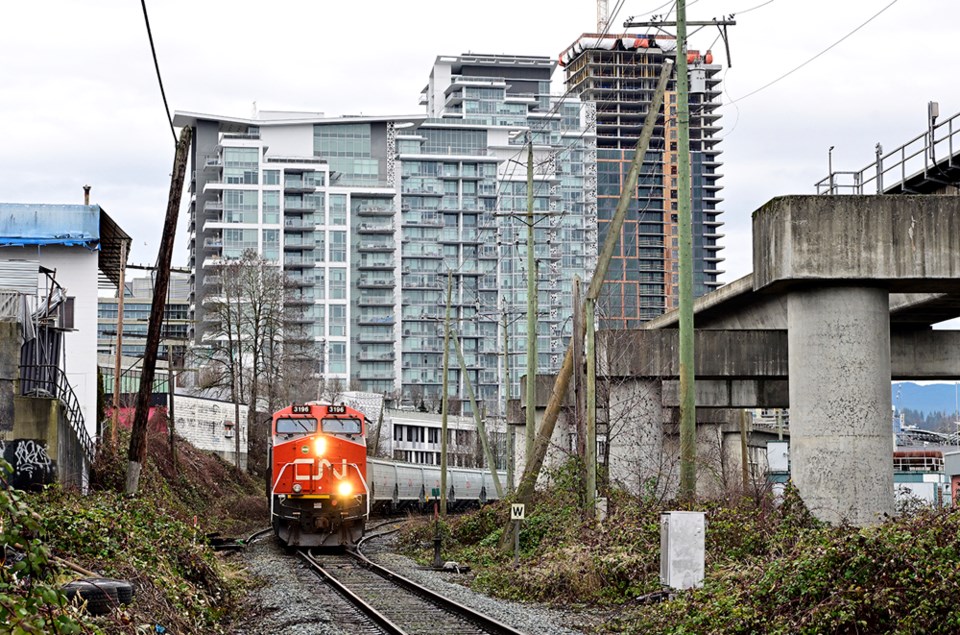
x: 102, y: 595
x: 124, y: 589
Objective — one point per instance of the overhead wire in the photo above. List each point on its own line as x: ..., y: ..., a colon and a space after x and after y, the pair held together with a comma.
x: 821, y: 53
x: 156, y: 65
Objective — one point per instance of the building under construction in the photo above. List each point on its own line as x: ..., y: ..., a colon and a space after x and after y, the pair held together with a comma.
x: 619, y: 74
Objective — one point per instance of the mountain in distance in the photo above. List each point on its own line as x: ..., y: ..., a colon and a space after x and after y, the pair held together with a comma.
x: 926, y: 398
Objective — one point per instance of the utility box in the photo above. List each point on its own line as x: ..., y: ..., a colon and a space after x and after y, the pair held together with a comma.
x: 778, y: 457
x: 682, y: 549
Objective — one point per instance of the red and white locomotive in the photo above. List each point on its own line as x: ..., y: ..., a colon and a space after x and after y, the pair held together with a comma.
x: 317, y: 480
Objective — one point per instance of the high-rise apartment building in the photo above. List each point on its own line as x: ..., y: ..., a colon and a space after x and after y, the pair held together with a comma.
x: 367, y: 216
x: 618, y: 73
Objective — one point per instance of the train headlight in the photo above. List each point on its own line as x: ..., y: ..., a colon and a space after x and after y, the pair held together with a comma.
x: 345, y: 488
x: 319, y: 446
x: 297, y: 488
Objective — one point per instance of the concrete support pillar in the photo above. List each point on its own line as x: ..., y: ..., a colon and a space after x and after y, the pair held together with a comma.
x: 840, y: 430
x: 638, y: 461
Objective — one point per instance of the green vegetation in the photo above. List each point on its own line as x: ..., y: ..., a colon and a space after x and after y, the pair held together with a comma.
x: 157, y: 541
x: 770, y: 568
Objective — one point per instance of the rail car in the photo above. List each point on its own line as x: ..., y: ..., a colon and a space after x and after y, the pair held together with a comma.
x: 317, y: 479
x: 396, y: 486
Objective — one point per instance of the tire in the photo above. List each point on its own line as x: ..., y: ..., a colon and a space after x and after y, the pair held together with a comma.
x: 125, y: 590
x: 100, y: 598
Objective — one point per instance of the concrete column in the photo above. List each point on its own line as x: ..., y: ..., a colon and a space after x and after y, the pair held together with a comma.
x: 638, y: 460
x: 840, y: 430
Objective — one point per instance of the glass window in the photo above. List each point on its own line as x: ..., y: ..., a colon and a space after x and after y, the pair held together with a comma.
x: 320, y: 245
x: 341, y: 426
x: 271, y: 177
x: 241, y: 165
x: 240, y: 206
x: 338, y: 284
x: 320, y: 283
x: 236, y: 241
x: 271, y: 207
x: 271, y: 244
x: 305, y: 425
x: 338, y: 246
x: 338, y: 209
x: 338, y: 357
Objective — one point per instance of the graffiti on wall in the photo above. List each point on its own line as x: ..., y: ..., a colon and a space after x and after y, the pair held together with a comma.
x: 32, y: 466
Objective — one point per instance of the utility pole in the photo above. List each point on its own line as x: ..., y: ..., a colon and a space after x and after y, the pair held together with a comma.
x: 562, y: 382
x: 579, y: 384
x: 688, y: 413
x: 511, y: 432
x: 688, y: 416
x: 443, y: 401
x: 531, y: 411
x: 481, y: 430
x: 590, y: 455
x: 172, y: 382
x: 118, y: 364
x: 744, y: 453
x: 137, y: 453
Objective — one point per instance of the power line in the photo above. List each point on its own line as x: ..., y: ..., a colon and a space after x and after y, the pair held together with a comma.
x: 794, y: 70
x: 752, y: 8
x: 156, y: 65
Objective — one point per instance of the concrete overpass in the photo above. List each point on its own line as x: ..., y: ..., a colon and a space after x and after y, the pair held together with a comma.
x: 842, y: 298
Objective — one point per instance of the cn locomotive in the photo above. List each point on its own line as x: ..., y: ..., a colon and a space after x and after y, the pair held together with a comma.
x: 317, y: 479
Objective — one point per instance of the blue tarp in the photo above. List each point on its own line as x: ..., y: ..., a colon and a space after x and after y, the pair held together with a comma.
x: 28, y: 224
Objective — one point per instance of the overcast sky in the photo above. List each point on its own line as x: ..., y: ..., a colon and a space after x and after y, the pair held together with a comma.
x: 80, y: 102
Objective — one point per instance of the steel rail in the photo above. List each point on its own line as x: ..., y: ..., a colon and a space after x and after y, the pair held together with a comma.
x: 379, y: 618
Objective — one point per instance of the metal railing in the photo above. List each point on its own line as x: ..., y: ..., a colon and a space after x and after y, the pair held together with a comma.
x: 51, y: 382
x: 924, y: 154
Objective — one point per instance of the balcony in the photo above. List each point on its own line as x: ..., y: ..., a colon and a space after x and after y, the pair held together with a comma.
x: 376, y: 320
x: 376, y: 246
x: 369, y: 263
x: 371, y: 228
x: 374, y: 210
x: 298, y: 224
x: 295, y: 243
x: 297, y: 261
x: 376, y: 357
x: 375, y: 283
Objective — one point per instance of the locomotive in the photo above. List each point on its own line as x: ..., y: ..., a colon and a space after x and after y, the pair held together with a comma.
x: 317, y: 479
x: 321, y: 485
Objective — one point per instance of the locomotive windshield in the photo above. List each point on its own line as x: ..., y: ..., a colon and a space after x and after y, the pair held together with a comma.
x: 341, y: 426
x: 303, y: 425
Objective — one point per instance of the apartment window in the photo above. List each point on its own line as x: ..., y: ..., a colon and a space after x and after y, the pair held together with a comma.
x: 236, y: 241
x: 271, y: 244
x: 338, y: 284
x: 271, y: 207
x: 320, y: 245
x: 338, y: 209
x: 240, y: 206
x: 338, y: 246
x: 338, y: 320
x: 241, y: 166
x: 338, y: 357
x: 320, y: 283
x: 271, y: 177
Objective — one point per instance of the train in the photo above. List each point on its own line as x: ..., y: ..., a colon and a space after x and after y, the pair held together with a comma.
x: 322, y: 487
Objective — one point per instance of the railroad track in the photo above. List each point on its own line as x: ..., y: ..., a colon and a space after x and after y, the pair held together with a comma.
x: 396, y: 605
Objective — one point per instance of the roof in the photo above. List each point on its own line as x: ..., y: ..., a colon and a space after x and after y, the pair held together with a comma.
x: 240, y: 124
x: 86, y: 226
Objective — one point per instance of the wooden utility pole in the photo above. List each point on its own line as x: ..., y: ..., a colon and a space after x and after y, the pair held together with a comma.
x: 444, y: 401
x: 118, y: 359
x: 172, y: 420
x: 511, y: 429
x: 531, y: 411
x: 744, y: 453
x: 481, y: 429
x: 579, y: 387
x: 627, y: 193
x: 137, y: 453
x: 688, y: 405
x: 590, y: 456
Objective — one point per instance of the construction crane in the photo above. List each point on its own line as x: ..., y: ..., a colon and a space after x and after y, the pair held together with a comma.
x: 602, y: 16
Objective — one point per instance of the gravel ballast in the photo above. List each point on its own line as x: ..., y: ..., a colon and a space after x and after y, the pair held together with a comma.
x: 291, y: 600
